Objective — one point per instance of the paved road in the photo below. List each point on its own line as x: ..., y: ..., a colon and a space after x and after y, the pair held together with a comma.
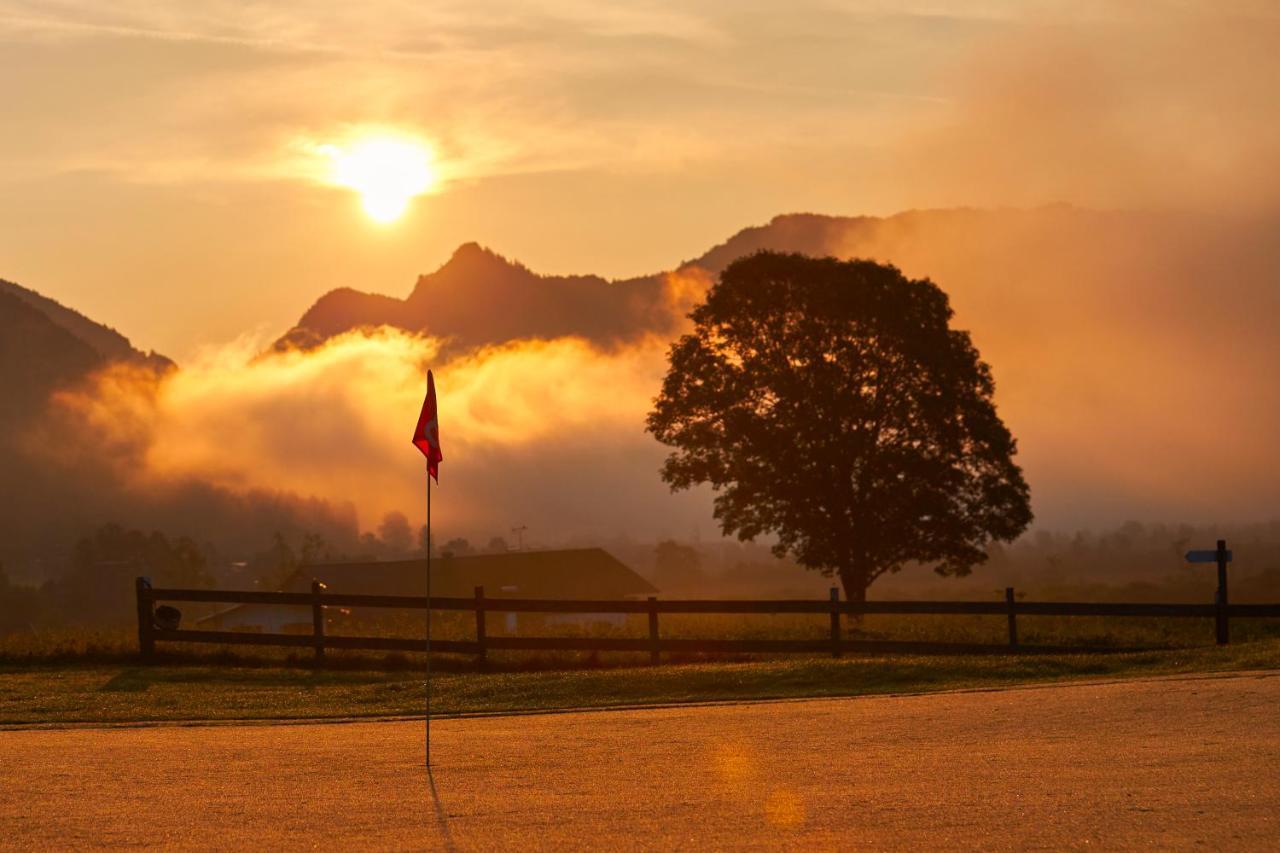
x: 1171, y: 763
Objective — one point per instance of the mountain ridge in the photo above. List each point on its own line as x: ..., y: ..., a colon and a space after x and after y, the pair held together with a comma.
x: 45, y: 346
x: 106, y: 341
x: 503, y: 299
x: 480, y: 297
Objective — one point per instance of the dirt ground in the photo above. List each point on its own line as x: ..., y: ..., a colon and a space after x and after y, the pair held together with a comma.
x: 1170, y: 763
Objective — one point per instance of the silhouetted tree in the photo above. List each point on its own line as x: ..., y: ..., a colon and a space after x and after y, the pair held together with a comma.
x: 370, y: 547
x: 395, y: 533
x: 96, y: 587
x: 21, y: 607
x: 177, y: 562
x: 497, y: 545
x: 271, y: 568
x: 830, y: 403
x: 676, y: 566
x: 458, y: 547
x: 314, y: 549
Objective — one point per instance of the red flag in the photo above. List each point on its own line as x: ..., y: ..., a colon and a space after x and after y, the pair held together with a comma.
x: 427, y: 435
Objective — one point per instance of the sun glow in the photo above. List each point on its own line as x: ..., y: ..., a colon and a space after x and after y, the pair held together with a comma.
x: 387, y: 172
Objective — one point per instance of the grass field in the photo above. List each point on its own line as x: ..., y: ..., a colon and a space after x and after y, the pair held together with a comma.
x: 49, y: 691
x: 80, y: 676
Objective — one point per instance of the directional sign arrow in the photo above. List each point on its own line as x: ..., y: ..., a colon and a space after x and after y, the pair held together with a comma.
x: 1205, y: 556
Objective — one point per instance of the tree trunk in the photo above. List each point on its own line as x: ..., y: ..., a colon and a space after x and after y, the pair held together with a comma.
x: 855, y: 587
x: 855, y: 591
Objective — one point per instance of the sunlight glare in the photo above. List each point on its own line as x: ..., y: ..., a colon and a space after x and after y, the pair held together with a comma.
x: 387, y: 173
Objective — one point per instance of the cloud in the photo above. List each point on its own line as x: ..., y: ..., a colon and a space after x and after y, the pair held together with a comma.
x: 923, y: 104
x: 389, y: 29
x: 546, y: 433
x: 1132, y: 352
x: 1166, y: 104
x: 539, y: 88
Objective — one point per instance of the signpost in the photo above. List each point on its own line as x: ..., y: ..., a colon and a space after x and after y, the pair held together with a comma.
x: 1221, y: 556
x: 1205, y: 556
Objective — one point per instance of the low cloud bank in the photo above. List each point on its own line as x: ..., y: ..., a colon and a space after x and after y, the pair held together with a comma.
x: 1133, y: 355
x: 547, y: 434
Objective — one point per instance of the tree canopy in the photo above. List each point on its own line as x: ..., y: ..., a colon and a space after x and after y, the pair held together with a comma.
x: 830, y: 403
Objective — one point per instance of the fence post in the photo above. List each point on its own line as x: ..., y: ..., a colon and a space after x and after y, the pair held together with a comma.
x: 317, y: 618
x: 480, y: 654
x: 146, y: 618
x: 653, y: 630
x: 835, y: 621
x: 1013, y: 617
x: 1224, y: 629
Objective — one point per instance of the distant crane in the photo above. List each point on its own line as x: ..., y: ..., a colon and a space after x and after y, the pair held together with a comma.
x: 519, y: 533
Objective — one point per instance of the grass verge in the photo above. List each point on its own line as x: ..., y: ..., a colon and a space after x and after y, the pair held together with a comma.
x: 126, y: 692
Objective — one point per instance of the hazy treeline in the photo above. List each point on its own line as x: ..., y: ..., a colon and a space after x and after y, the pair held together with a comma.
x: 92, y: 585
x: 1134, y: 562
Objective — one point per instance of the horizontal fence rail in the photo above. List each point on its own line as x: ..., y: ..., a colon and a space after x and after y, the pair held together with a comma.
x: 149, y: 632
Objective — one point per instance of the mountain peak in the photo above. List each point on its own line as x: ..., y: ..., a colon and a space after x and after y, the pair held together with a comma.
x: 471, y: 258
x: 469, y: 248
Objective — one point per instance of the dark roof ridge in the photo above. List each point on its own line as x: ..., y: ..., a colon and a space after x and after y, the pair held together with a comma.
x: 552, y: 573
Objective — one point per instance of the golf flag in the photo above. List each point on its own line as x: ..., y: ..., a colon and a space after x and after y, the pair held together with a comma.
x: 426, y: 437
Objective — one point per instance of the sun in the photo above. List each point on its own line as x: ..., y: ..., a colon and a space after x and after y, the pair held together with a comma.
x: 386, y: 171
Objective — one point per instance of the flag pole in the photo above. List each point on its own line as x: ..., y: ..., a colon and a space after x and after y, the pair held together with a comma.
x: 426, y: 437
x: 428, y: 741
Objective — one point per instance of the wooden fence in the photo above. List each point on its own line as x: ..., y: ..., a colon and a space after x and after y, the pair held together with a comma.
x: 654, y: 644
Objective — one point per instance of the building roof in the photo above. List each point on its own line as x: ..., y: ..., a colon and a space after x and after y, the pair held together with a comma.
x: 581, y: 573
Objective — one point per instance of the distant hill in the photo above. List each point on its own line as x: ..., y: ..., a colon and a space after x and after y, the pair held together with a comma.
x: 48, y: 502
x: 806, y: 233
x: 36, y: 356
x: 109, y: 344
x: 479, y: 297
x: 45, y: 346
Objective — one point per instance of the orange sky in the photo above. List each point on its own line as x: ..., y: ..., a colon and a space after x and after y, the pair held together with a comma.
x: 183, y: 172
x: 159, y: 164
